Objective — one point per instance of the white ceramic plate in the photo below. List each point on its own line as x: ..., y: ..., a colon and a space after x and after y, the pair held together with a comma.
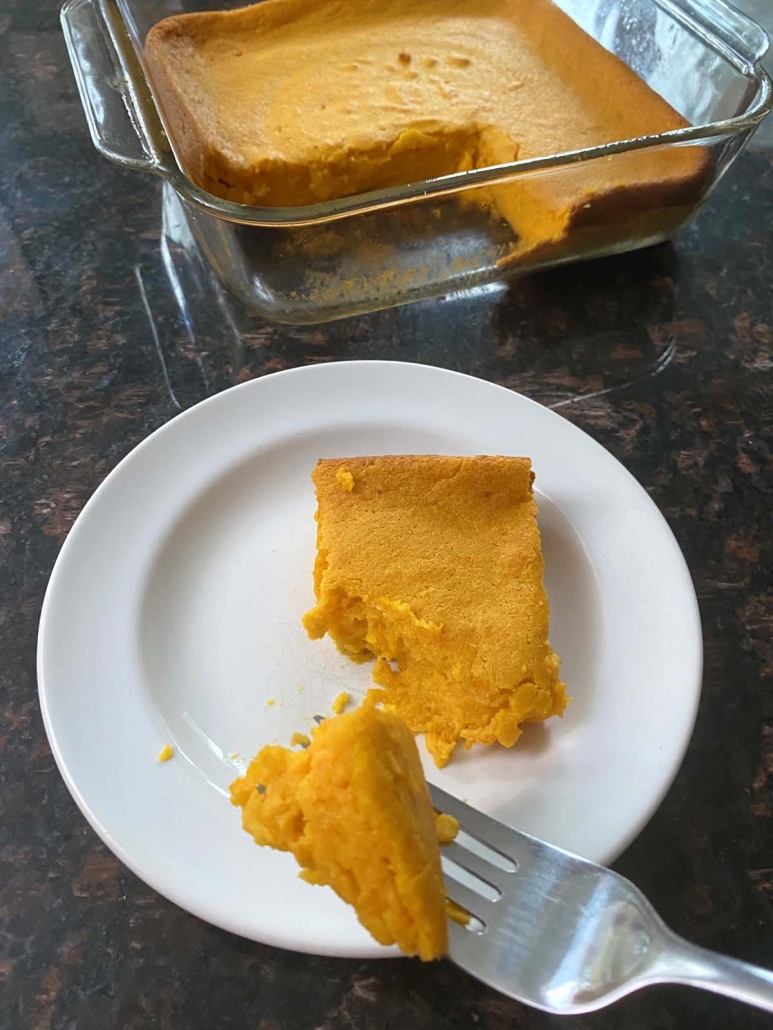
x: 173, y: 614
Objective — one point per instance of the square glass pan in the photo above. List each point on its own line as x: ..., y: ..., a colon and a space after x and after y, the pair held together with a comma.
x: 329, y: 260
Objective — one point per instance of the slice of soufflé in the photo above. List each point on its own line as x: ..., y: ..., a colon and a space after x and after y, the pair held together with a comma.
x: 433, y: 566
x: 355, y: 811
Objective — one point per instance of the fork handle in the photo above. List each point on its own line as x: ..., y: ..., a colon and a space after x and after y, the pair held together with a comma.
x: 686, y: 963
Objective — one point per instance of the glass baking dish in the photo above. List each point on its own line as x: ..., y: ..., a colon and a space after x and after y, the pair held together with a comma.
x: 375, y: 250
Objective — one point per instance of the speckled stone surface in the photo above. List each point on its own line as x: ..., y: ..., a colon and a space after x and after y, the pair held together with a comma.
x: 665, y: 357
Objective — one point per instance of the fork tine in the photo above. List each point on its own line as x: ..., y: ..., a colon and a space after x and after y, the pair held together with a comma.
x: 485, y: 871
x: 467, y: 898
x: 511, y: 844
x: 464, y: 946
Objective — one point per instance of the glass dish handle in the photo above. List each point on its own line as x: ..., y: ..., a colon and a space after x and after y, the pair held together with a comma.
x: 743, y: 36
x: 121, y: 122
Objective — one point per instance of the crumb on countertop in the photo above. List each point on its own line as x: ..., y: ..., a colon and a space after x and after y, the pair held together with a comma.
x: 447, y: 827
x: 166, y: 752
x: 340, y: 702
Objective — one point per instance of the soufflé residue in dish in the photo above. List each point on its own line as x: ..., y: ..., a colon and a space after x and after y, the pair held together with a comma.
x: 432, y: 565
x: 355, y: 811
x: 288, y: 103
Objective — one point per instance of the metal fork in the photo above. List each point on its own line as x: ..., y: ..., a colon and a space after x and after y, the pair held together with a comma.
x: 563, y: 934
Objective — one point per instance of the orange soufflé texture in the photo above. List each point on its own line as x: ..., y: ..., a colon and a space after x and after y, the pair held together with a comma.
x: 432, y: 565
x: 355, y: 811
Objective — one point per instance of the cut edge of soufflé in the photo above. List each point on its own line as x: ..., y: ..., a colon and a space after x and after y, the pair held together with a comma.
x: 432, y: 566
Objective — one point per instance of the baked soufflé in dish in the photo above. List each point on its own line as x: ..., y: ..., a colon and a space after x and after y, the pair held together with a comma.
x: 432, y: 566
x: 355, y: 810
x: 288, y: 103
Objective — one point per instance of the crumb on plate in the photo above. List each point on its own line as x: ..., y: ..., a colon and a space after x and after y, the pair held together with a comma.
x: 340, y: 702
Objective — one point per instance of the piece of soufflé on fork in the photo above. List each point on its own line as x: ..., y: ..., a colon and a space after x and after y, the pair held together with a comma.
x: 355, y: 810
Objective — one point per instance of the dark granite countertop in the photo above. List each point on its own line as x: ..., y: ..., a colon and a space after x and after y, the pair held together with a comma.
x: 664, y: 356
